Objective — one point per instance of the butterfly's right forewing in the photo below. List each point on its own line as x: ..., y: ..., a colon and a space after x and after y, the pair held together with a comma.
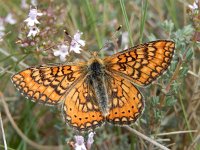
x: 142, y: 64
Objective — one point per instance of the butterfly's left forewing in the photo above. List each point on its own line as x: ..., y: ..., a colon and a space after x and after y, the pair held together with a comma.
x: 47, y: 84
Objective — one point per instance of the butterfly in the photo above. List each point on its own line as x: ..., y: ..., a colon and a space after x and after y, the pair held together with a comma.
x: 99, y: 90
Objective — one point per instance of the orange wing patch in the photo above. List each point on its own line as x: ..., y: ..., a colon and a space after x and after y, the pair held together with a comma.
x: 142, y: 64
x: 126, y: 102
x: 46, y: 84
x: 80, y: 110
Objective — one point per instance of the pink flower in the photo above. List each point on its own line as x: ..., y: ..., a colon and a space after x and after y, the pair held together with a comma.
x: 90, y: 140
x: 194, y: 6
x: 62, y: 51
x: 125, y: 40
x: 34, y: 2
x: 2, y: 29
x: 76, y: 42
x: 33, y: 31
x: 32, y: 17
x: 79, y: 145
x: 24, y: 4
x: 75, y: 46
x: 9, y: 19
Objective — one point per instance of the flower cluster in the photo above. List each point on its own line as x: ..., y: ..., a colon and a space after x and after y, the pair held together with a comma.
x: 32, y: 22
x: 75, y: 46
x: 45, y: 34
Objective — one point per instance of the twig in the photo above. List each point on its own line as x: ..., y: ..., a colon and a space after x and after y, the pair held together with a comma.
x: 194, y: 74
x: 3, y: 133
x: 13, y: 58
x: 147, y: 138
x: 21, y: 134
x: 176, y: 132
x: 194, y: 141
x: 5, y: 70
x: 163, y: 140
x: 185, y: 114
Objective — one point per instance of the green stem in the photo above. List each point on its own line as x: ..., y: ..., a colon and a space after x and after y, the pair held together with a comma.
x: 143, y: 19
x: 126, y: 20
x: 92, y: 17
x: 185, y: 115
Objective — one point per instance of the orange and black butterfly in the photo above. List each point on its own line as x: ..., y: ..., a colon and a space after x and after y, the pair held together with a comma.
x: 99, y: 90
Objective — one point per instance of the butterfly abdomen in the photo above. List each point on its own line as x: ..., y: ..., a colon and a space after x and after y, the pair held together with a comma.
x: 97, y: 81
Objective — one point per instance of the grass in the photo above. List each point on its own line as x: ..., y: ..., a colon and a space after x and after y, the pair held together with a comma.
x: 172, y: 103
x: 126, y: 21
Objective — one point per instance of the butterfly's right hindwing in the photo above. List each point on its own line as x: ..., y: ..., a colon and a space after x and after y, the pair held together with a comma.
x: 126, y: 101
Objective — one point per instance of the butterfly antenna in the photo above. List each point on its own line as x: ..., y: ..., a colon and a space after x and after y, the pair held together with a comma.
x: 67, y: 35
x: 112, y: 37
x: 71, y: 38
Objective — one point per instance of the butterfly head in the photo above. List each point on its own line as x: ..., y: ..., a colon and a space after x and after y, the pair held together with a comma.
x: 95, y: 54
x: 95, y: 58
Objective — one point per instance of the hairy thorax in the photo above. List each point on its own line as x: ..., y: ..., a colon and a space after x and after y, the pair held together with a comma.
x: 97, y: 79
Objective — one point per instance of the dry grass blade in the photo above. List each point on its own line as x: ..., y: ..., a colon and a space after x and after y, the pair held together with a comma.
x: 147, y: 138
x: 21, y: 134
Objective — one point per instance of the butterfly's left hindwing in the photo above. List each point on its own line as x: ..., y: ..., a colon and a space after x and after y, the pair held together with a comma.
x: 80, y: 108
